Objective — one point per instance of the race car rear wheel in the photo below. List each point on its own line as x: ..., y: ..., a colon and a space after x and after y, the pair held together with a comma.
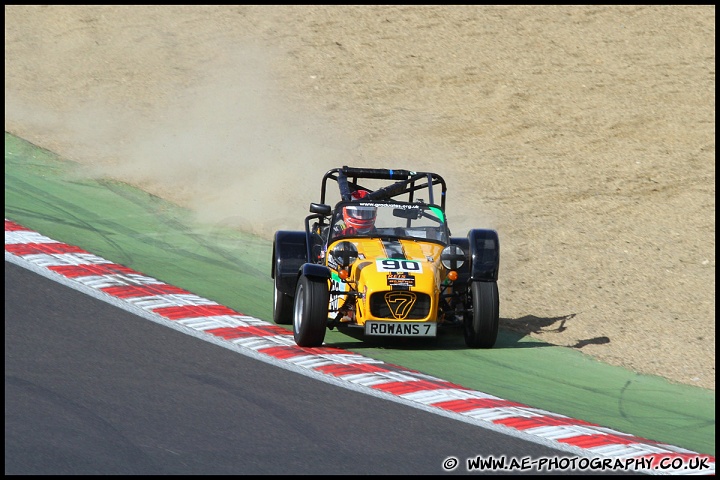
x: 310, y: 312
x: 481, y: 328
x: 282, y: 306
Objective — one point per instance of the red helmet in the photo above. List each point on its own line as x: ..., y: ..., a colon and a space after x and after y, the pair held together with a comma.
x: 360, y: 218
x: 358, y: 194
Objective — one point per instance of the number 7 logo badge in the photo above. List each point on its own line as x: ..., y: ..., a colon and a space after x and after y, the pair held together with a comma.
x: 400, y: 303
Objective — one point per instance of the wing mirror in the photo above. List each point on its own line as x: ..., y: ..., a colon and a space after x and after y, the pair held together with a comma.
x: 409, y: 213
x: 320, y: 208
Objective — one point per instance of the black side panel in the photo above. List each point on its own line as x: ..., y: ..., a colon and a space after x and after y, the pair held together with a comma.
x: 464, y: 271
x: 289, y: 254
x: 485, y: 253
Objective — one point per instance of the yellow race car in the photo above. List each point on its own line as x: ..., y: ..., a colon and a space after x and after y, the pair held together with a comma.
x: 381, y: 259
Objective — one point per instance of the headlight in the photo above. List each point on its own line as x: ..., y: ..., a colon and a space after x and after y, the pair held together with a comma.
x: 452, y: 257
x: 345, y: 253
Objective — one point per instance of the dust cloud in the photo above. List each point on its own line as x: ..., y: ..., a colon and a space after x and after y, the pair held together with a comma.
x: 231, y: 147
x: 233, y: 151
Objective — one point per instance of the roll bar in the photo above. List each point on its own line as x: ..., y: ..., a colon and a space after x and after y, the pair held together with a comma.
x: 347, y: 180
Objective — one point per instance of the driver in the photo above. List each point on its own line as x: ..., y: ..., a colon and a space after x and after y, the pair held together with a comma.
x: 357, y: 220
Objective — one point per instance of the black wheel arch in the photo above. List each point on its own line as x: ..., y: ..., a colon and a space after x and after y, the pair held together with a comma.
x: 484, y: 253
x: 315, y: 271
x: 289, y: 253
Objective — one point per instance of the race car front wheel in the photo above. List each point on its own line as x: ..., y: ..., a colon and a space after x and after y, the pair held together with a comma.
x: 481, y: 328
x: 310, y: 312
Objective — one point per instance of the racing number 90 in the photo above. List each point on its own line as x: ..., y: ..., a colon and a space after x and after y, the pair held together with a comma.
x: 395, y: 265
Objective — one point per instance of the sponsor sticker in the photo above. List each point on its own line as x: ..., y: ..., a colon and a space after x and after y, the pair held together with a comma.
x: 400, y: 279
x: 401, y: 329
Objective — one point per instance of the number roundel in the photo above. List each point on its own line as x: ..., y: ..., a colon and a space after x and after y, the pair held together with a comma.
x: 345, y: 253
x: 398, y: 265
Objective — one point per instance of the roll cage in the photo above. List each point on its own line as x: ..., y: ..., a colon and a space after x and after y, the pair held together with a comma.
x: 405, y: 189
x: 407, y: 184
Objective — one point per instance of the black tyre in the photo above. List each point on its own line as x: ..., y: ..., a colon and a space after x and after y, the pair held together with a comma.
x: 310, y: 312
x: 481, y: 328
x: 282, y: 306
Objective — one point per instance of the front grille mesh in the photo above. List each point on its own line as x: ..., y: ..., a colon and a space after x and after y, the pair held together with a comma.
x: 379, y: 307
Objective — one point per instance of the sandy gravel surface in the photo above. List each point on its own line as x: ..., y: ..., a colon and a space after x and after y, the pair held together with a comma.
x: 584, y: 135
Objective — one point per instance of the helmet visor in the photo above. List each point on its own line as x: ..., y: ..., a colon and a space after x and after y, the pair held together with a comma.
x: 362, y: 213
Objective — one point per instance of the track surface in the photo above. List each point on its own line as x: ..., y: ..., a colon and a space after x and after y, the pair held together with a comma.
x: 93, y: 389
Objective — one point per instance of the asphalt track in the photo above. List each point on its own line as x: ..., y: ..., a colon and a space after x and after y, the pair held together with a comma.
x: 145, y: 233
x: 93, y: 389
